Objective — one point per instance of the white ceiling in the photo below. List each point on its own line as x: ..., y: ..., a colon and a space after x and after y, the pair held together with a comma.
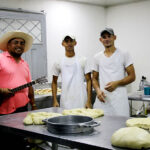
x: 104, y: 3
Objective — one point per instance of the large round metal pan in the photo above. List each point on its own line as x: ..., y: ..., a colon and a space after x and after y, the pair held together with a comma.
x: 70, y: 124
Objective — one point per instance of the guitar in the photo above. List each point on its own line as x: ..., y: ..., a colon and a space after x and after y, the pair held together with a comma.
x: 14, y: 90
x: 39, y: 80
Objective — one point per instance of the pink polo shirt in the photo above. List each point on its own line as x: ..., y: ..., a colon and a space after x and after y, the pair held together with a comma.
x: 12, y: 75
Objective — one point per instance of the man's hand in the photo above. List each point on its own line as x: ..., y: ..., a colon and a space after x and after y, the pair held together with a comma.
x: 55, y: 104
x: 6, y: 93
x: 101, y: 95
x: 34, y: 107
x: 88, y: 105
x: 111, y: 86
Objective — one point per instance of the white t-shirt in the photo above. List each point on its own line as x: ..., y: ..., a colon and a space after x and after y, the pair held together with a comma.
x: 72, y: 70
x: 56, y: 69
x: 111, y: 68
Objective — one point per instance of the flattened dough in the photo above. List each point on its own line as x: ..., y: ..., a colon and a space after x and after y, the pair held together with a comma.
x: 94, y: 113
x: 45, y: 91
x: 37, y: 117
x: 139, y: 122
x: 28, y: 120
x: 131, y: 137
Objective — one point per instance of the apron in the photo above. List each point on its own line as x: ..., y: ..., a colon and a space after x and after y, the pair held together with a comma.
x: 116, y: 102
x: 74, y: 93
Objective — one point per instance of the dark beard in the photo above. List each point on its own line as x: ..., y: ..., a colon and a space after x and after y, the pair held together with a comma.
x: 15, y: 55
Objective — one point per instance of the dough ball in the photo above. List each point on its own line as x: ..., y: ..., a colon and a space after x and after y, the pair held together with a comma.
x: 131, y: 137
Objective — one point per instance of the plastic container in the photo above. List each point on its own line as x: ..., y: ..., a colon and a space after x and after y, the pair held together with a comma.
x: 142, y: 83
x: 147, y: 90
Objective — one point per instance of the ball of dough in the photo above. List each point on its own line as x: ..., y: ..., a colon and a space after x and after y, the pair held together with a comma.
x: 139, y: 122
x: 131, y: 137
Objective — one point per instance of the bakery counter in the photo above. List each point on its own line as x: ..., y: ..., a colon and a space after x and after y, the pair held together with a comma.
x: 44, y: 101
x: 96, y: 140
x: 138, y: 96
x: 43, y: 95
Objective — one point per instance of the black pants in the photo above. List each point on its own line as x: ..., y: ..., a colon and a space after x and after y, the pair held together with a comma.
x: 21, y: 109
x: 10, y: 141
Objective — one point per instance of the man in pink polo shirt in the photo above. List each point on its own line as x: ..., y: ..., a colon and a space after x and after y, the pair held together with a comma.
x: 14, y: 72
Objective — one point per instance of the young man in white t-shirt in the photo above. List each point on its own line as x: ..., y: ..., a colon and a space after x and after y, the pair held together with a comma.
x: 109, y: 76
x: 75, y: 94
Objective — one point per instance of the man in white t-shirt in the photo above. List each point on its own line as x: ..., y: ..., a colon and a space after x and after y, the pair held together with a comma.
x: 109, y: 76
x: 75, y: 93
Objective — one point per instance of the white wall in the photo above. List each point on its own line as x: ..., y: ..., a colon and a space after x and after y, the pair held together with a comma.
x: 83, y: 21
x: 132, y: 26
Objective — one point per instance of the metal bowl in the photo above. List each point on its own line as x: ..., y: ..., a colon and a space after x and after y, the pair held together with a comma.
x: 70, y: 124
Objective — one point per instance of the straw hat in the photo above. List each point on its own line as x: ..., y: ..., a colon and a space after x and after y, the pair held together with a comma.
x: 16, y: 34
